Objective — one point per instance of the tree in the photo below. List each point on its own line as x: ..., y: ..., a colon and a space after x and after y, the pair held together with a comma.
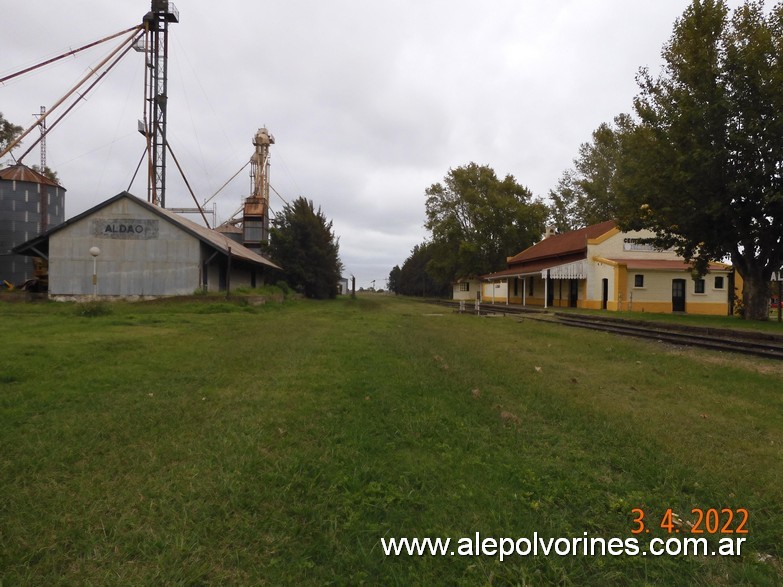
x: 47, y: 172
x: 703, y: 167
x: 393, y: 282
x: 8, y: 132
x: 478, y: 220
x: 415, y: 278
x: 303, y: 244
x: 586, y: 195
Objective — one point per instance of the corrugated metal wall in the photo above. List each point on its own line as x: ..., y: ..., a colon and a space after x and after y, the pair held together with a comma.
x: 21, y: 220
x: 141, y: 255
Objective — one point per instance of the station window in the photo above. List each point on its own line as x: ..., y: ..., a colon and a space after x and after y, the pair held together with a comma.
x: 464, y: 286
x: 638, y: 280
x: 699, y: 286
x: 719, y: 282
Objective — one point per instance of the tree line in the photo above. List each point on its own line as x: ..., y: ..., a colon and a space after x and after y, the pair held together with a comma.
x: 698, y: 161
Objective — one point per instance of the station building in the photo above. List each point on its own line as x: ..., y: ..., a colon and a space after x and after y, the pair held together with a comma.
x: 600, y: 267
x: 138, y: 250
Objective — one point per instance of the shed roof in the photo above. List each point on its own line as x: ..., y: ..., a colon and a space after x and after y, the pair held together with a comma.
x: 210, y: 237
x: 19, y: 172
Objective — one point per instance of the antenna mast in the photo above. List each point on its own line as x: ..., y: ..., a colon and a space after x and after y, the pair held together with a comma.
x: 42, y: 124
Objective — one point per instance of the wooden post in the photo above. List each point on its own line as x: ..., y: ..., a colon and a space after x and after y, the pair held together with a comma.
x: 228, y: 274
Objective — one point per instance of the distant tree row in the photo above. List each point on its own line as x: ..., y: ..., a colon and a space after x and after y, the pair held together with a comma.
x: 413, y: 278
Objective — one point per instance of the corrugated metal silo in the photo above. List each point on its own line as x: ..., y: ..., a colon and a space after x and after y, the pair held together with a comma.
x: 30, y: 203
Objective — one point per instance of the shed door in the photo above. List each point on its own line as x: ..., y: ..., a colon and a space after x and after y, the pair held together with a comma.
x: 678, y: 295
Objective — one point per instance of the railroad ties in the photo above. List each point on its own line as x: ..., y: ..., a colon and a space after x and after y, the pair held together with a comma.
x: 748, y: 342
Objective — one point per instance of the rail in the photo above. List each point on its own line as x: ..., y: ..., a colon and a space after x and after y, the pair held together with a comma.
x: 759, y: 344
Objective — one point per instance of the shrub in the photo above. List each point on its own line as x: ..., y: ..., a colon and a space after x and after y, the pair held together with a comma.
x: 93, y: 309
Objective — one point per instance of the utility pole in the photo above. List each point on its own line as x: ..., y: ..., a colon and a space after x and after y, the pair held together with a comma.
x: 44, y: 224
x: 42, y: 125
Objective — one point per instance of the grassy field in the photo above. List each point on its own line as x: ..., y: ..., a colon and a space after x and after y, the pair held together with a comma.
x: 211, y: 442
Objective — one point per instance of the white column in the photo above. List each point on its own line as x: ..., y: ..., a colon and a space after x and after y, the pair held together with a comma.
x: 546, y: 290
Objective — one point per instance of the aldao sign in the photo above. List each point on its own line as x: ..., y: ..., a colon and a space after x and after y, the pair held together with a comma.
x: 126, y: 228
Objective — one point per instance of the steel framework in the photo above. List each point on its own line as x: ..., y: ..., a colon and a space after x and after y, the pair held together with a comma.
x: 156, y: 47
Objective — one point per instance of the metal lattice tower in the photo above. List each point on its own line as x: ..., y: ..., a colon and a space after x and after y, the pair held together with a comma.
x: 156, y: 48
x: 42, y: 144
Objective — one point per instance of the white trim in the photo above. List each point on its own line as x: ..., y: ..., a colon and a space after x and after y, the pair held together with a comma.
x: 573, y: 270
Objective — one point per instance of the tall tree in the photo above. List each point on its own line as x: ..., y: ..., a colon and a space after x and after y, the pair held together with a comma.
x: 393, y: 282
x: 586, y: 194
x: 303, y: 243
x: 8, y: 132
x: 704, y: 165
x: 478, y: 220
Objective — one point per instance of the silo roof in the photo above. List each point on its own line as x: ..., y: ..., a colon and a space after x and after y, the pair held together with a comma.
x: 21, y: 172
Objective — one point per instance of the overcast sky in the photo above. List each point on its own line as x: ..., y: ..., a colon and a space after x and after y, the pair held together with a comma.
x: 370, y: 103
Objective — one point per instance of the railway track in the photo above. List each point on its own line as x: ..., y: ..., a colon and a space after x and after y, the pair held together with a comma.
x: 759, y: 344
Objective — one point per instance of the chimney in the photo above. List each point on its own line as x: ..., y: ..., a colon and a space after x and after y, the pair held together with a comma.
x: 549, y: 231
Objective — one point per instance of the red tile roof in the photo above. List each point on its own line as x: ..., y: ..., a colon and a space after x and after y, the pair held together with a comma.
x: 561, y: 245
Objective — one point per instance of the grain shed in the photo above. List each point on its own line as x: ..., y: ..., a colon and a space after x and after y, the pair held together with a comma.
x: 138, y: 250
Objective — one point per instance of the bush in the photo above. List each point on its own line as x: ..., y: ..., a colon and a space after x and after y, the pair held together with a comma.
x: 93, y: 309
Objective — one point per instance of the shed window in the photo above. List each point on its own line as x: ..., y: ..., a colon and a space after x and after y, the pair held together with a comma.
x: 699, y: 286
x: 464, y: 286
x: 719, y: 282
x: 638, y: 280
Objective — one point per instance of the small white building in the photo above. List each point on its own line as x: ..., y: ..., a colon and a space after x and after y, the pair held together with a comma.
x: 143, y: 251
x: 342, y: 286
x: 468, y: 288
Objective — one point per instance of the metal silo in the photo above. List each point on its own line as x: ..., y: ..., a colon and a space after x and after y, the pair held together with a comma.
x: 30, y: 203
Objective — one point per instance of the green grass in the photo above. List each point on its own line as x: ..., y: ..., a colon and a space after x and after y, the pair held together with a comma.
x: 201, y: 443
